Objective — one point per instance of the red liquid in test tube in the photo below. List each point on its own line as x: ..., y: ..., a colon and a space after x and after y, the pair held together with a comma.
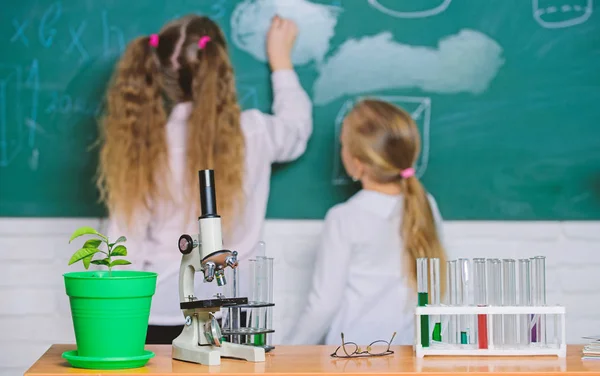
x: 480, y: 295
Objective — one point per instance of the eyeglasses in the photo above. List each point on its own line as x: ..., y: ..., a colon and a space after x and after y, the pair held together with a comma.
x: 352, y: 350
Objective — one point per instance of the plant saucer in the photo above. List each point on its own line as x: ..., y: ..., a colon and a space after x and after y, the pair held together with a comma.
x: 89, y: 362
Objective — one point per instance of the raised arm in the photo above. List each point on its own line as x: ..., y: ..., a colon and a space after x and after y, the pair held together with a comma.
x: 287, y: 130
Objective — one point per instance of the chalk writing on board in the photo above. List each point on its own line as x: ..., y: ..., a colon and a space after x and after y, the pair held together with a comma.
x: 75, y: 41
x: 20, y: 32
x: 108, y: 30
x: 464, y: 62
x: 113, y: 41
x: 557, y: 14
x: 11, y: 125
x: 425, y: 8
x: 420, y: 110
x: 47, y: 32
x: 33, y: 83
x: 66, y: 104
x: 218, y: 8
x: 251, y: 19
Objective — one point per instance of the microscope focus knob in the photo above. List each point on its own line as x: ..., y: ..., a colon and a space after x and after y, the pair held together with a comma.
x: 185, y: 244
x: 209, y: 271
x: 232, y: 260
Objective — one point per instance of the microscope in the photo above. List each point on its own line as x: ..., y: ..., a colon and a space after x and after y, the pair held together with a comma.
x: 201, y: 338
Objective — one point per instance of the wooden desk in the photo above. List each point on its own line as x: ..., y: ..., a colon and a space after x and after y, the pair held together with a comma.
x: 315, y: 360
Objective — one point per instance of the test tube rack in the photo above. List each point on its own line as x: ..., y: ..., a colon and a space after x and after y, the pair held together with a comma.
x: 244, y: 334
x: 559, y: 348
x: 258, y: 329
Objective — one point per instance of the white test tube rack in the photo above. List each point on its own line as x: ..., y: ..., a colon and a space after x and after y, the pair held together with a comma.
x: 443, y: 348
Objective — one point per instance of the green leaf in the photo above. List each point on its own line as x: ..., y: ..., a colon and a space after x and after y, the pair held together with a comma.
x: 119, y: 250
x: 82, y: 253
x: 85, y: 230
x: 119, y: 262
x: 92, y: 243
x: 86, y: 261
x: 101, y: 262
x: 120, y: 240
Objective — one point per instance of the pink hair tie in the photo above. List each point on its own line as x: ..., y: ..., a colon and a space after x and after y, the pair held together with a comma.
x: 409, y: 172
x: 202, y: 42
x: 154, y: 40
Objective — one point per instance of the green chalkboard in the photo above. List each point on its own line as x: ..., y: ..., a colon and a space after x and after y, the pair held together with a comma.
x: 506, y: 93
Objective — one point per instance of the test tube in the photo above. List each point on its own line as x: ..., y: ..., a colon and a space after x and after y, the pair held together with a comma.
x: 538, y: 298
x: 434, y: 268
x: 524, y: 301
x: 423, y: 299
x: 480, y: 299
x: 465, y: 281
x: 509, y: 299
x: 495, y: 298
x: 232, y: 319
x: 264, y: 278
x: 269, y: 310
x: 453, y: 329
x: 252, y: 322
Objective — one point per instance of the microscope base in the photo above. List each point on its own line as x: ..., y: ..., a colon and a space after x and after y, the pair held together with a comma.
x: 211, y: 355
x: 206, y: 355
x: 249, y: 353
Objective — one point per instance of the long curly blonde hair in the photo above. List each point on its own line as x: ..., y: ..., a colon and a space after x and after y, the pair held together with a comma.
x: 148, y: 81
x: 385, y: 138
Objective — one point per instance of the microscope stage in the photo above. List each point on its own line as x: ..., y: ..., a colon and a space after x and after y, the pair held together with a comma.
x: 213, y: 303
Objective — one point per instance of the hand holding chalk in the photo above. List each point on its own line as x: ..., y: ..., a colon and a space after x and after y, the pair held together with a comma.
x: 280, y: 41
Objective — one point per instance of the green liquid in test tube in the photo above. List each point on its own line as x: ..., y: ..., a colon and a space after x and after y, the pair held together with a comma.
x: 465, y: 280
x: 434, y: 268
x: 423, y: 299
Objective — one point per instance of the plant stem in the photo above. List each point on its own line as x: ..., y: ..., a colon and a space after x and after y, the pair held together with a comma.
x: 109, y: 260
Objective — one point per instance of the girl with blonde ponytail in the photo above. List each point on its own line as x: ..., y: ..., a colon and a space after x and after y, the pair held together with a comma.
x: 172, y: 110
x: 364, y: 282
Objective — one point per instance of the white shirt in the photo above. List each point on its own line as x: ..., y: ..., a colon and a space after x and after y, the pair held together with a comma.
x: 268, y: 138
x: 359, y: 286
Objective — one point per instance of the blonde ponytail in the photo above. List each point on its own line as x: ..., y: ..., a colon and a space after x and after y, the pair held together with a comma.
x: 418, y: 229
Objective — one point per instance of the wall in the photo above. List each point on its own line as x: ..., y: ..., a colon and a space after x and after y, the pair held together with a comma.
x: 34, y: 310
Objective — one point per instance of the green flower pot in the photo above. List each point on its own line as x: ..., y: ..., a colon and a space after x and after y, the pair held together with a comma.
x: 110, y: 314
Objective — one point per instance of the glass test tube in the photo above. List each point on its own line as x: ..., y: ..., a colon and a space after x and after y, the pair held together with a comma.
x: 480, y: 299
x: 524, y: 301
x: 495, y: 298
x: 434, y: 268
x: 231, y: 320
x: 263, y: 286
x: 423, y: 299
x: 465, y: 281
x: 269, y: 310
x: 538, y: 298
x: 453, y: 329
x: 252, y: 315
x: 509, y: 298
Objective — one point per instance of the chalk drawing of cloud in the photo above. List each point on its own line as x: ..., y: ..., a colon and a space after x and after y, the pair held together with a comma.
x: 465, y: 62
x: 251, y: 19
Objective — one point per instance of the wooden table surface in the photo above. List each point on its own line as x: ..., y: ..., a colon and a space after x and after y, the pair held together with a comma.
x: 315, y: 360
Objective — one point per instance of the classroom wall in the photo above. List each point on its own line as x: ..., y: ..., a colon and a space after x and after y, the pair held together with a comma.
x: 34, y: 310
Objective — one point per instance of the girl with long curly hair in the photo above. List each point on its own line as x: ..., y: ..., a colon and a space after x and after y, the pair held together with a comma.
x: 172, y: 111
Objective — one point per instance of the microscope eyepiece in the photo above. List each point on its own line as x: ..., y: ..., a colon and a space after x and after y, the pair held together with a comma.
x: 208, y: 197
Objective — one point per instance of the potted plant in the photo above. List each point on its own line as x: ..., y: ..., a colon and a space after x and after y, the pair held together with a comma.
x: 110, y: 308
